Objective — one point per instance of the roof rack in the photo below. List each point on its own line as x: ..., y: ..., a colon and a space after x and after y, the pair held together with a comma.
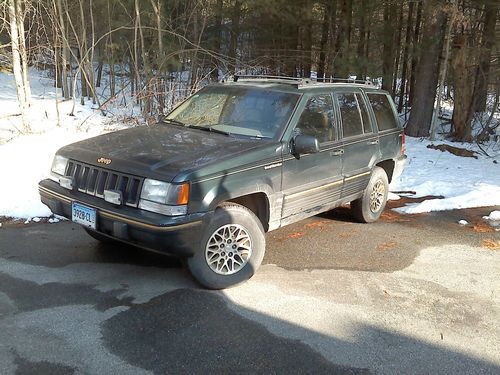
x: 272, y: 79
x: 296, y: 81
x: 347, y: 80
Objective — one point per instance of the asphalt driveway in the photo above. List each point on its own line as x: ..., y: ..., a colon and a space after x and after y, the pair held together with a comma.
x: 408, y: 294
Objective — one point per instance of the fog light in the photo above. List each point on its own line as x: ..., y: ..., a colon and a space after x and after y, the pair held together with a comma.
x: 113, y: 196
x: 66, y: 182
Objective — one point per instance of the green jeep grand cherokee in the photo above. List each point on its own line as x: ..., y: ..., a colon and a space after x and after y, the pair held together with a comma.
x: 231, y: 162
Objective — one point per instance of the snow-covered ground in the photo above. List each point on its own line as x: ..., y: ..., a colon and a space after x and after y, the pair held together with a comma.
x: 26, y: 159
x: 464, y: 182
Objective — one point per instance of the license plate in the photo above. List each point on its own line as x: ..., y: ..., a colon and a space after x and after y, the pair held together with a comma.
x: 83, y: 215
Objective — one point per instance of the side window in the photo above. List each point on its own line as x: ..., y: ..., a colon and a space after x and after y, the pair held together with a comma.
x: 367, y: 126
x: 317, y: 119
x: 383, y: 111
x: 351, y: 116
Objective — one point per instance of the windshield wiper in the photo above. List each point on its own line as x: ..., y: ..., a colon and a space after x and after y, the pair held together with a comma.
x: 174, y: 122
x: 209, y: 129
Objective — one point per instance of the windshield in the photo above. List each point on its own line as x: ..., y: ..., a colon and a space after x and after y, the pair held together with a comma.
x: 237, y: 110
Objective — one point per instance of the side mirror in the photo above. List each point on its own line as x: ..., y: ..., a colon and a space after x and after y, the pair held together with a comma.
x: 305, y: 144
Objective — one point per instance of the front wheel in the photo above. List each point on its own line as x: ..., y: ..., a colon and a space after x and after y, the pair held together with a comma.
x: 369, y: 207
x: 232, y: 248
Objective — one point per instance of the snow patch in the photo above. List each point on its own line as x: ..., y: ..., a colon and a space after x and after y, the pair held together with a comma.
x: 493, y: 216
x: 463, y: 182
x: 393, y: 197
x: 463, y: 222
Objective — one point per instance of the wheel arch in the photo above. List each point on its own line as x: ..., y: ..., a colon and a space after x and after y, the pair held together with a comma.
x: 388, y: 167
x: 258, y: 203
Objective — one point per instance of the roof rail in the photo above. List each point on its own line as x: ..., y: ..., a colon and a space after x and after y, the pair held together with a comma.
x: 297, y: 81
x: 237, y: 77
x: 347, y: 80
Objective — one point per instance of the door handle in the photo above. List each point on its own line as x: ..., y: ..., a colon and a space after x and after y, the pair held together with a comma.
x: 375, y: 142
x: 337, y: 152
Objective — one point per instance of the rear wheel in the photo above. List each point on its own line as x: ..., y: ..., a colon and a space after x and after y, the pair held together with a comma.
x: 370, y: 206
x: 232, y: 248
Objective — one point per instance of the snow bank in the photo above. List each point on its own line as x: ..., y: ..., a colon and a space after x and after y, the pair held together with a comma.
x: 463, y: 182
x: 26, y: 159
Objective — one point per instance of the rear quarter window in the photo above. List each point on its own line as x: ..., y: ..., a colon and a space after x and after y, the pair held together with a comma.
x: 352, y: 123
x: 384, y: 114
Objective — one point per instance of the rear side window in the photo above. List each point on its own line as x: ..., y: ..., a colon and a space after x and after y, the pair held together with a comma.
x: 383, y: 111
x: 317, y: 119
x: 367, y: 126
x: 352, y: 123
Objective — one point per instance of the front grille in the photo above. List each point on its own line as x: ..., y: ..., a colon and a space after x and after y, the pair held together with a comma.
x: 93, y: 180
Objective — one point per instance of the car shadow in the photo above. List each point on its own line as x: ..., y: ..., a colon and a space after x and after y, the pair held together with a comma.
x: 205, y: 332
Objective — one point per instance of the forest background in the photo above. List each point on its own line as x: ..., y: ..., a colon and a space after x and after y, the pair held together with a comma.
x: 153, y: 53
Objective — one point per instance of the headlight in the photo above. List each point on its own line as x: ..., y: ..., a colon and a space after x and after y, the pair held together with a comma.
x: 164, y: 198
x: 59, y: 165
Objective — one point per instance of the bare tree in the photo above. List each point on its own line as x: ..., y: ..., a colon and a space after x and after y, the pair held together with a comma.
x: 20, y: 76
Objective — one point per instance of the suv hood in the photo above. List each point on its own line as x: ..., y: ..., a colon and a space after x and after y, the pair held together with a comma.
x: 158, y: 151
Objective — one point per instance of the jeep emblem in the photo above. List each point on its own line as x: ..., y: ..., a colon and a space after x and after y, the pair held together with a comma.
x: 104, y: 161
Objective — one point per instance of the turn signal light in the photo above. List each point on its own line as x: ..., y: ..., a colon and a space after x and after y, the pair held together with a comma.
x: 183, y: 194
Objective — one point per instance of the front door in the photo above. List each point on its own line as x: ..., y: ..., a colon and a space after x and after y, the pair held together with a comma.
x: 359, y: 141
x: 312, y: 181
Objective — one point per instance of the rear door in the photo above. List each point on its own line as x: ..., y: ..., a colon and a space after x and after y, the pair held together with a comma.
x: 312, y: 181
x: 389, y: 131
x: 360, y: 142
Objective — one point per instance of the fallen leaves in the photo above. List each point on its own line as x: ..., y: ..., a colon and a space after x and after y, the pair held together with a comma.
x: 316, y: 224
x: 482, y: 227
x: 491, y: 244
x: 386, y: 245
x: 296, y: 235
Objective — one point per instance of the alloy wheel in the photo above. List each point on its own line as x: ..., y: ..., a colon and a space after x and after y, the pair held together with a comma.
x: 228, y: 249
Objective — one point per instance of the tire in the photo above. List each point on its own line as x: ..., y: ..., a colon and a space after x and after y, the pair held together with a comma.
x: 99, y: 237
x: 212, y: 265
x: 370, y: 206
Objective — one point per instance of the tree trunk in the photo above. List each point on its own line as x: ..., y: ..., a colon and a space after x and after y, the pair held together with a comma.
x: 362, y: 40
x: 99, y: 73
x: 398, y: 50
x: 83, y: 52
x: 388, y: 46
x: 427, y: 71
x: 414, y: 49
x: 64, y: 51
x: 442, y: 79
x: 483, y: 69
x: 331, y: 54
x: 23, y: 51
x: 464, y: 82
x: 160, y: 80
x: 217, y: 39
x: 91, y: 62
x: 402, y: 92
x: 307, y: 40
x: 147, y: 94
x: 235, y: 33
x: 341, y: 61
x: 325, y: 27
x: 16, y: 64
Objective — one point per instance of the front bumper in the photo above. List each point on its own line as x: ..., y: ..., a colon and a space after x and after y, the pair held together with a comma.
x: 399, y: 165
x: 180, y: 235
